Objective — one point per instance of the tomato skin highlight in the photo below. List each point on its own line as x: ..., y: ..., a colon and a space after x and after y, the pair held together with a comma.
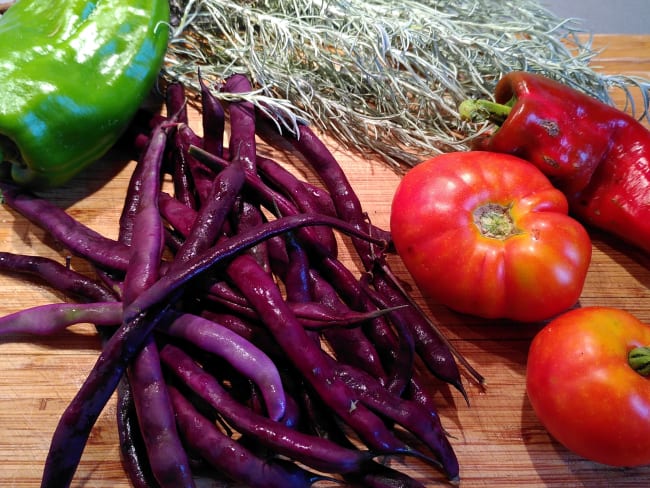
x: 532, y: 273
x: 583, y: 389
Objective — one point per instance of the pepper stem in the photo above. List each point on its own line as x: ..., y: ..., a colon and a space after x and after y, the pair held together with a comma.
x: 639, y: 360
x: 477, y: 111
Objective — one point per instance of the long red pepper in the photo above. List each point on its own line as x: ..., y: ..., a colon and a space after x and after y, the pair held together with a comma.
x: 598, y: 155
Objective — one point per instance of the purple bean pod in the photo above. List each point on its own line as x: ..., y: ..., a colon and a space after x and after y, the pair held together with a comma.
x: 248, y: 330
x: 75, y: 236
x: 242, y: 145
x: 147, y: 239
x: 401, y: 367
x: 230, y: 457
x: 55, y: 317
x: 213, y: 119
x: 178, y: 215
x: 424, y: 424
x: 176, y: 102
x: 312, y: 451
x: 351, y: 346
x: 209, y: 219
x: 296, y: 276
x: 249, y: 217
x: 304, y: 200
x: 239, y: 352
x: 306, y: 356
x: 347, y: 204
x: 201, y: 175
x: 316, y: 316
x: 132, y: 449
x: 184, y: 190
x: 167, y: 456
x: 222, y: 293
x: 58, y: 276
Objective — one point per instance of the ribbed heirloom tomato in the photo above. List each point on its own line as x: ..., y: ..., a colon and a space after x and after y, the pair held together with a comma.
x: 585, y: 381
x: 487, y: 234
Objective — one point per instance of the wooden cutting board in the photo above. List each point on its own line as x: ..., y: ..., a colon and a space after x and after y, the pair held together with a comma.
x: 498, y: 440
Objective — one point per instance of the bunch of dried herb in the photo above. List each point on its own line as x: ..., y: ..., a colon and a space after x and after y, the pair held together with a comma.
x: 382, y: 76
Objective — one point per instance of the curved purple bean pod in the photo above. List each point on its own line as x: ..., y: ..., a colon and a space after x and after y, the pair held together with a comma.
x: 350, y: 345
x: 308, y: 197
x: 178, y: 166
x: 431, y: 343
x: 318, y: 453
x: 210, y: 218
x: 167, y: 456
x: 307, y: 356
x: 78, y: 238
x: 228, y: 248
x: 316, y: 316
x: 249, y: 330
x: 182, y: 179
x: 176, y: 102
x: 213, y: 120
x: 176, y: 213
x: 240, y: 353
x: 422, y: 423
x: 58, y: 276
x: 250, y: 216
x: 296, y: 273
x: 134, y: 459
x: 201, y: 175
x: 221, y: 292
x: 347, y: 204
x: 401, y: 367
x: 242, y: 142
x: 55, y: 317
x: 147, y: 239
x: 300, y: 195
x: 230, y: 457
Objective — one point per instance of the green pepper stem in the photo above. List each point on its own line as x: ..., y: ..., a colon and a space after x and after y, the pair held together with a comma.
x: 478, y: 111
x: 639, y: 360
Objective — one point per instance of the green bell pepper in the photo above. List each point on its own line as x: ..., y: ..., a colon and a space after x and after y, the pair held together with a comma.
x: 73, y: 73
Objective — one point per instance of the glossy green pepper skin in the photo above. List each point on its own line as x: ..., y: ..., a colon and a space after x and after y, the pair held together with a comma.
x: 73, y: 73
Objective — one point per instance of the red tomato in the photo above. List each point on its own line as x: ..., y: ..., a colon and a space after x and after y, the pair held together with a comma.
x: 583, y: 389
x: 487, y: 234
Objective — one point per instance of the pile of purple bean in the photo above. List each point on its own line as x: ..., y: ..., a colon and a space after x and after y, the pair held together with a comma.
x: 239, y: 345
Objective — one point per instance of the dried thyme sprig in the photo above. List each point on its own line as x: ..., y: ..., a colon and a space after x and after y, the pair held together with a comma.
x: 381, y: 76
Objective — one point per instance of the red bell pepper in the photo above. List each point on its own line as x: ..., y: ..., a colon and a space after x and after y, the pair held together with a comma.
x: 597, y: 155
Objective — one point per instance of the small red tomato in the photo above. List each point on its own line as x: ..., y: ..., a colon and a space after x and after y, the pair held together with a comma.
x: 487, y: 234
x: 584, y: 390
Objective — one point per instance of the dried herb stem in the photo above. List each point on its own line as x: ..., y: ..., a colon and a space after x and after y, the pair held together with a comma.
x: 383, y: 77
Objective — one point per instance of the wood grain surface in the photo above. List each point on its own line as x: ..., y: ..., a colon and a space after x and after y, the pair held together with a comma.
x: 498, y: 440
